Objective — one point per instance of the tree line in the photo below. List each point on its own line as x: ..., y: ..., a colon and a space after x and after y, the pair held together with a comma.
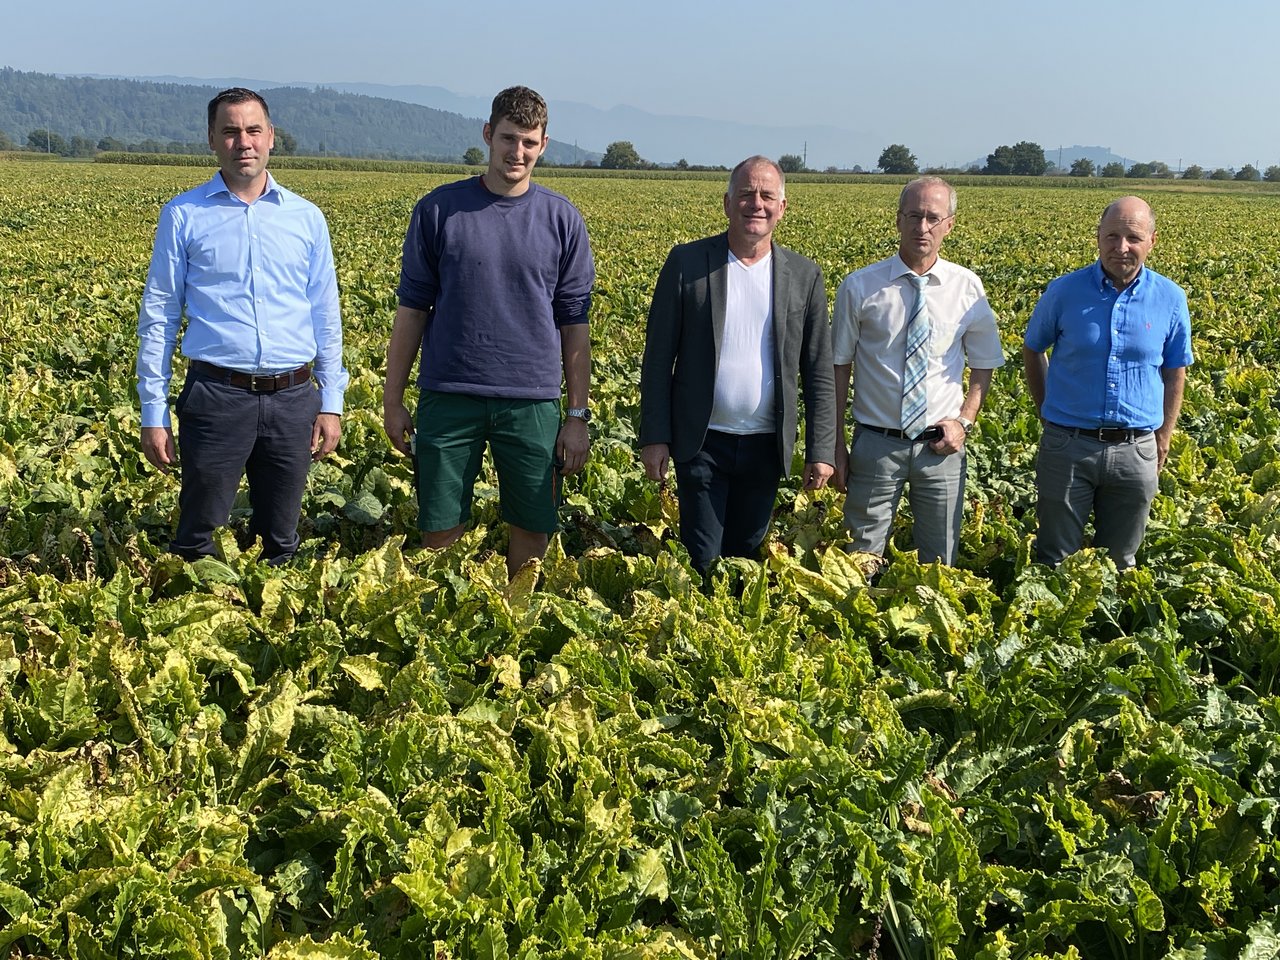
x: 149, y: 116
x: 1027, y: 159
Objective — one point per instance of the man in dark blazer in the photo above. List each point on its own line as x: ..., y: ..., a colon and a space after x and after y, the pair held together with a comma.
x: 735, y: 321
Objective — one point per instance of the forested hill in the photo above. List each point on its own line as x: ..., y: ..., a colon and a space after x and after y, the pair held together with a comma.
x: 321, y: 120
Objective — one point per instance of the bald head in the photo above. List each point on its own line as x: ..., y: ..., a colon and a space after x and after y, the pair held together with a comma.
x: 1126, y: 234
x: 1130, y: 207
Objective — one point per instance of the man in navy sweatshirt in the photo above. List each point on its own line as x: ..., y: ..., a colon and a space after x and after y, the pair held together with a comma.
x: 495, y: 287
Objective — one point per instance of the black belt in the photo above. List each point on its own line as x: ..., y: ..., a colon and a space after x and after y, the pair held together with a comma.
x: 254, y: 382
x: 1104, y: 434
x: 926, y: 435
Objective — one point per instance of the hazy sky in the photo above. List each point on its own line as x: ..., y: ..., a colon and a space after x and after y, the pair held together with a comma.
x: 1176, y: 81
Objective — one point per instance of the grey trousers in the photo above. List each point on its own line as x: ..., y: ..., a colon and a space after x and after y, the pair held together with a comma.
x: 879, y: 468
x: 1076, y: 476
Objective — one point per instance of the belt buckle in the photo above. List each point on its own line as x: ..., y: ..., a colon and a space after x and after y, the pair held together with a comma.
x: 253, y: 383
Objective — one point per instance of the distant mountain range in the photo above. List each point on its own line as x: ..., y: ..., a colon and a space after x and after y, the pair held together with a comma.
x: 418, y: 122
x: 321, y: 119
x: 658, y: 138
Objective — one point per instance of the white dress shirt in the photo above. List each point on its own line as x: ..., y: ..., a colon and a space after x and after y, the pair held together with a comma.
x: 869, y: 330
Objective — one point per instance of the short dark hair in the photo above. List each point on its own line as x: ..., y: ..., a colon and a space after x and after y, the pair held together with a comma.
x: 235, y: 95
x: 522, y: 106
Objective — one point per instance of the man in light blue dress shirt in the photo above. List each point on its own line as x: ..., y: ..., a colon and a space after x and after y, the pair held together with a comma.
x: 250, y: 265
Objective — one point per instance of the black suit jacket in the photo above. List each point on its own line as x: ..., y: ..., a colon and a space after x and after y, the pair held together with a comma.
x: 682, y: 351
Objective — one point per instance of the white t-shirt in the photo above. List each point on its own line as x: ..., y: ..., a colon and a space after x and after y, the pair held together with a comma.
x: 744, y: 387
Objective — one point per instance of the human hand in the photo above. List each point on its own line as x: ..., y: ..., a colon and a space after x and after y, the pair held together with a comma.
x: 398, y: 423
x: 841, y: 473
x: 953, y: 437
x: 325, y: 434
x: 1162, y: 449
x: 655, y: 457
x: 158, y: 447
x: 816, y: 475
x: 573, y: 443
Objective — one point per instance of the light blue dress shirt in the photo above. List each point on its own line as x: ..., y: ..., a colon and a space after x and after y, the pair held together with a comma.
x: 1109, y: 347
x: 256, y: 283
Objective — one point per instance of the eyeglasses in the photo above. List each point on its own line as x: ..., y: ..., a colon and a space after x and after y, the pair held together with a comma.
x: 932, y: 219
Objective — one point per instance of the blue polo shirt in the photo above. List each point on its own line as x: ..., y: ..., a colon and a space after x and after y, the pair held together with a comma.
x: 1109, y: 347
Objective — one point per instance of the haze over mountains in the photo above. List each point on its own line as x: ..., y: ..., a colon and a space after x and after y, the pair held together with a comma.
x: 429, y: 122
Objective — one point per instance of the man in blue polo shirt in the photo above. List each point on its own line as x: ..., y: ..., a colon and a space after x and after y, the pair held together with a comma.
x: 1120, y: 336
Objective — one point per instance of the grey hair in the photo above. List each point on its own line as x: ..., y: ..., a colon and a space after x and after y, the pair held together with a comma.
x: 930, y: 182
x: 757, y: 160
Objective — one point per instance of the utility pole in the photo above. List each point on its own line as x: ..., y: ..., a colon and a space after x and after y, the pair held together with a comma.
x: 804, y: 160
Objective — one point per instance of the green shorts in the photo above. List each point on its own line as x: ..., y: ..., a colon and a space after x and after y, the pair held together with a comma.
x: 451, y: 432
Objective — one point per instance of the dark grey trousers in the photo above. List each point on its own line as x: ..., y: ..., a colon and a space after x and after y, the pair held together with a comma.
x: 227, y: 432
x: 726, y: 493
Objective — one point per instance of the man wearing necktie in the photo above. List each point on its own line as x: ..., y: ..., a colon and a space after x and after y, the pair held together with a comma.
x: 903, y: 331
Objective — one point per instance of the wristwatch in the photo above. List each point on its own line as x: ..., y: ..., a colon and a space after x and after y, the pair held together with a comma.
x: 966, y: 423
x: 582, y: 413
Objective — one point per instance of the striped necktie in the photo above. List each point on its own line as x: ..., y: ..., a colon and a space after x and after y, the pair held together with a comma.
x: 915, y: 403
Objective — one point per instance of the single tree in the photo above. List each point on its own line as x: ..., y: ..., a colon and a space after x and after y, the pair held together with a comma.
x: 1248, y: 172
x: 474, y: 157
x: 1220, y: 174
x: 1028, y: 159
x: 896, y: 158
x: 80, y: 146
x: 1193, y: 172
x: 1000, y: 161
x: 45, y: 141
x: 1273, y: 174
x: 1081, y: 167
x: 1113, y: 169
x: 286, y: 143
x: 5, y: 142
x: 791, y: 163
x: 621, y: 155
x: 1139, y: 171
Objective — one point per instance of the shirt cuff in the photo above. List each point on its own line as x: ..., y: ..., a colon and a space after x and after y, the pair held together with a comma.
x: 331, y: 400
x: 156, y: 415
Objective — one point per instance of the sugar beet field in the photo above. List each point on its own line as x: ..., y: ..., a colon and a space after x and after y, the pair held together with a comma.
x: 380, y: 753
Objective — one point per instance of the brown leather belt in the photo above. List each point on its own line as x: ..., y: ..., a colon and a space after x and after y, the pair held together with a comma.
x: 1104, y: 434
x: 254, y: 382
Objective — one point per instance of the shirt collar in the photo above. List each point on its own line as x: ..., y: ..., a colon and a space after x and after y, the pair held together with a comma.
x: 1103, y: 282
x: 272, y: 192
x: 898, y: 269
